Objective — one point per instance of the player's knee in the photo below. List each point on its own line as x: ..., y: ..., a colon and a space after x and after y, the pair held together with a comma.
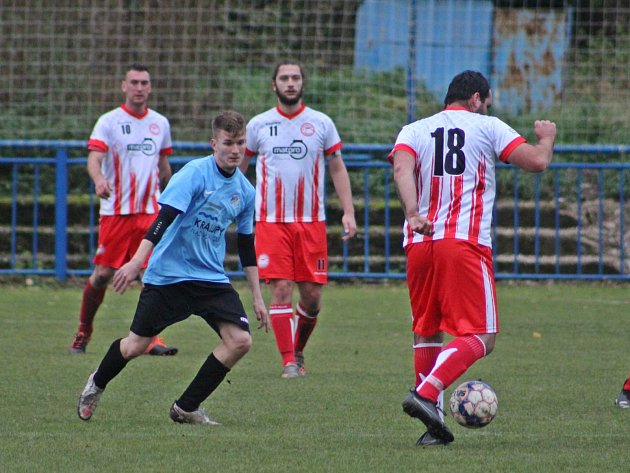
x: 241, y: 342
x: 282, y: 290
x: 132, y: 349
x: 101, y: 278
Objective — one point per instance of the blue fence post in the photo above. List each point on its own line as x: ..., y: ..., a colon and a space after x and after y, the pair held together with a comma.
x: 61, y: 215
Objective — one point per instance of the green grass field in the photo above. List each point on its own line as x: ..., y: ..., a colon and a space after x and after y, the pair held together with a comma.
x: 559, y: 363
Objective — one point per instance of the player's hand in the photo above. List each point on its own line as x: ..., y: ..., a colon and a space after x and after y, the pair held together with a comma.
x: 420, y: 225
x: 261, y: 314
x: 349, y: 227
x: 125, y: 276
x: 103, y: 188
x: 545, y: 129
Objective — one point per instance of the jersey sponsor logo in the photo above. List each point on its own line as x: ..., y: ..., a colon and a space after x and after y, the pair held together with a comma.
x: 297, y: 150
x: 208, y: 228
x: 210, y: 216
x: 154, y: 128
x: 263, y: 260
x: 307, y: 129
x: 147, y: 147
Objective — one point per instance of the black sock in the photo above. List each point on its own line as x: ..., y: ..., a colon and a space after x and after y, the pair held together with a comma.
x: 112, y: 364
x: 208, y: 378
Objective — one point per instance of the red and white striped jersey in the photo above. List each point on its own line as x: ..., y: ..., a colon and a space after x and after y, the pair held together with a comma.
x: 133, y: 145
x: 455, y: 152
x: 291, y: 163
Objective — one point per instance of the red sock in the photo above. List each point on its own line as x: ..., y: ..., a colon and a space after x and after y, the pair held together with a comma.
x: 92, y: 299
x: 305, y: 324
x: 626, y: 386
x: 282, y: 320
x: 424, y: 356
x: 454, y: 360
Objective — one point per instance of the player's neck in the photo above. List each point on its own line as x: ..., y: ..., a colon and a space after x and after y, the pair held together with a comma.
x: 290, y: 110
x: 136, y: 109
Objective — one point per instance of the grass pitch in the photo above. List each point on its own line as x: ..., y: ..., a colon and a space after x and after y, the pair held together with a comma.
x: 559, y: 362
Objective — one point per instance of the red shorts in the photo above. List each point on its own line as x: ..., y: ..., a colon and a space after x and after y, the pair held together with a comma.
x: 295, y: 251
x: 451, y: 288
x: 119, y: 237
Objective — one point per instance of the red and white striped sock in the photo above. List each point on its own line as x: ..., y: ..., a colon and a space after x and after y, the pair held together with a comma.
x: 281, y: 316
x: 424, y: 356
x: 453, y: 361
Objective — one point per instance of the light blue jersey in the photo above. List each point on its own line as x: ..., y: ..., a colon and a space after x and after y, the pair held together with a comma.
x: 193, y: 246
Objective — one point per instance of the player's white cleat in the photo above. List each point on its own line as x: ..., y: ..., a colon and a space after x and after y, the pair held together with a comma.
x: 88, y: 400
x: 290, y: 370
x: 198, y: 417
x: 623, y: 400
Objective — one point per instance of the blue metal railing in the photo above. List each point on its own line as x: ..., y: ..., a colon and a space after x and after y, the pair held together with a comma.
x: 567, y: 223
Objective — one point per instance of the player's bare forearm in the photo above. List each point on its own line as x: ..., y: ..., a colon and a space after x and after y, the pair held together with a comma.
x: 164, y: 172
x: 341, y: 182
x: 405, y: 180
x: 260, y: 309
x: 130, y: 271
x: 406, y: 186
x: 537, y: 157
x: 102, y: 187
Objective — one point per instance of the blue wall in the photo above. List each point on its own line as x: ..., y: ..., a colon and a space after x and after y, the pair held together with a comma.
x: 520, y: 50
x: 451, y: 35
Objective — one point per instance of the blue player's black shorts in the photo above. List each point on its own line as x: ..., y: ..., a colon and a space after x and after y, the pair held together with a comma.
x: 162, y: 306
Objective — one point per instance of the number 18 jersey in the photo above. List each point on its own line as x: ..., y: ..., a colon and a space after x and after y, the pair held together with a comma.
x: 455, y: 151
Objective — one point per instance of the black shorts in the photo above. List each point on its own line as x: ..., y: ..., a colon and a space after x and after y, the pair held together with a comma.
x: 162, y: 306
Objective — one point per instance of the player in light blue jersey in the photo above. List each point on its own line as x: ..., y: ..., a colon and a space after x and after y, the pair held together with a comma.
x: 186, y: 275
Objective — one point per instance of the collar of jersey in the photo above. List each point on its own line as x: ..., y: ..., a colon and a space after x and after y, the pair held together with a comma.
x: 293, y: 115
x: 146, y: 110
x: 455, y: 107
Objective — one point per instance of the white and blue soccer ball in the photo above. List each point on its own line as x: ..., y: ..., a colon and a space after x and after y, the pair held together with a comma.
x: 474, y: 404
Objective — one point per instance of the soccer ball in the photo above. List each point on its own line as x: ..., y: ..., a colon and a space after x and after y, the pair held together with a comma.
x: 473, y: 404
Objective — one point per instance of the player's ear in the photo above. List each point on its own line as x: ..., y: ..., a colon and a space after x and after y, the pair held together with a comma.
x: 474, y: 102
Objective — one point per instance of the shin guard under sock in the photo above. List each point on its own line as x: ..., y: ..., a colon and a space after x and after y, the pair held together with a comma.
x: 112, y: 364
x: 210, y: 375
x: 281, y: 316
x: 452, y: 362
x: 91, y: 301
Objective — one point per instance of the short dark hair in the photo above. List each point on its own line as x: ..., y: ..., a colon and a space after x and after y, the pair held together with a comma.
x: 464, y: 85
x: 289, y: 62
x: 136, y: 66
x: 229, y: 121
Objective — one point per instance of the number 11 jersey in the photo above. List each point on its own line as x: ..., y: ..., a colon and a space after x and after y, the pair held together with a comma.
x: 291, y: 163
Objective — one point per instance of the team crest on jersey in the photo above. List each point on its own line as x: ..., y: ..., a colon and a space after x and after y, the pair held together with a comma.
x: 235, y: 201
x: 307, y: 129
x: 154, y: 128
x: 297, y: 150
